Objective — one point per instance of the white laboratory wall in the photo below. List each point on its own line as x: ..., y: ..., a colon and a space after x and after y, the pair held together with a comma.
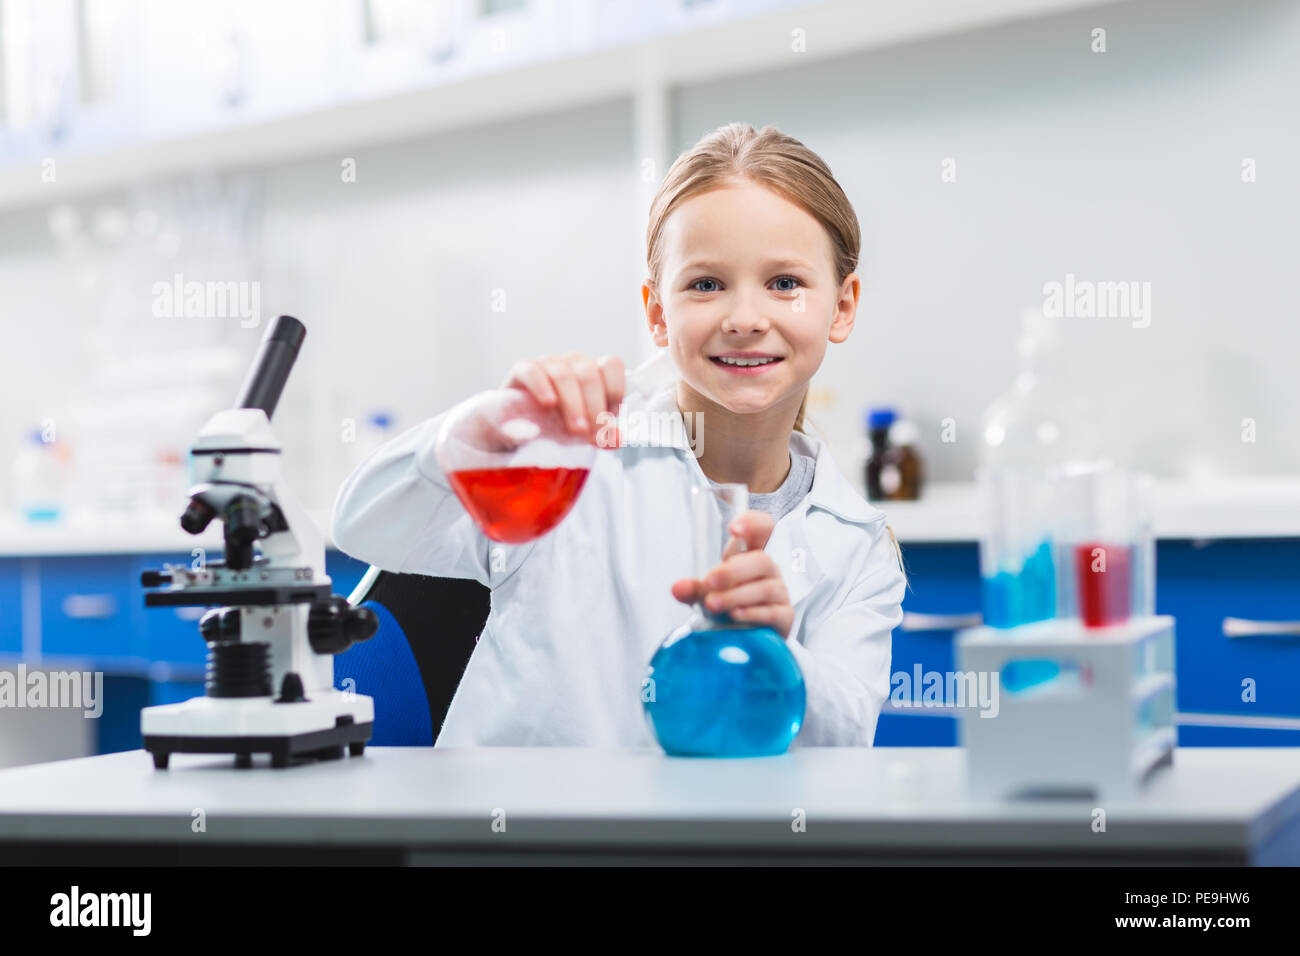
x: 1115, y: 166
x: 449, y: 259
x: 421, y: 278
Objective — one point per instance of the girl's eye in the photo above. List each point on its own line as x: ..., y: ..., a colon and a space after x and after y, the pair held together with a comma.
x: 696, y: 284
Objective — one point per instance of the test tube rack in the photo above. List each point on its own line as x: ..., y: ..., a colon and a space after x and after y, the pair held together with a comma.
x: 1080, y: 711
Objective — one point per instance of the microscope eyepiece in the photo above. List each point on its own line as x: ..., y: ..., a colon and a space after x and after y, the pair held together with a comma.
x: 271, y: 366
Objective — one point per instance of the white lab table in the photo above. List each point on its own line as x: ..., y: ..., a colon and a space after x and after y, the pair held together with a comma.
x: 507, y: 805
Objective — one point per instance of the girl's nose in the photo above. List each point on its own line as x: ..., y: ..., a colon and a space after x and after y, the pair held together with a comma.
x: 742, y: 324
x: 744, y: 317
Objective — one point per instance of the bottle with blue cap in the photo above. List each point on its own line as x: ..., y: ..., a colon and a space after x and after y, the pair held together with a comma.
x: 40, y: 478
x: 878, y: 422
x: 373, y: 431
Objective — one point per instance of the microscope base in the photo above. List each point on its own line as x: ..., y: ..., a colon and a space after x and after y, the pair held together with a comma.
x: 313, y: 730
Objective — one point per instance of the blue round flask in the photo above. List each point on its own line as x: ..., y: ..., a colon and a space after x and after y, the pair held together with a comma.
x: 718, y: 687
x: 725, y: 691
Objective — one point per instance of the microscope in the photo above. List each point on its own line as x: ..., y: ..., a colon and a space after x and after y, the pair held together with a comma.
x: 274, y: 627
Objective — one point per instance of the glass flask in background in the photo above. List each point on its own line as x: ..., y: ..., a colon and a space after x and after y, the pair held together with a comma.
x: 718, y: 687
x: 1017, y: 450
x: 1026, y: 434
x: 513, y: 463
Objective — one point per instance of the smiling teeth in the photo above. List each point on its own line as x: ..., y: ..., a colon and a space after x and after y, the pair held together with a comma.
x: 737, y: 361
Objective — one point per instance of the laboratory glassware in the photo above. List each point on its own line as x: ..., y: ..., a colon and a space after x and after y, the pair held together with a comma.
x: 1107, y: 545
x: 513, y: 463
x: 718, y: 687
x: 1017, y: 563
x: 40, y: 473
x: 1026, y: 435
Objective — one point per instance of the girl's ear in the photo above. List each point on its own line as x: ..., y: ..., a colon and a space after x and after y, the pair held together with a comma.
x: 846, y: 309
x: 654, y: 313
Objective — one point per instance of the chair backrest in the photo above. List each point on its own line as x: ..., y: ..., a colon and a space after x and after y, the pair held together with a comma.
x: 428, y: 628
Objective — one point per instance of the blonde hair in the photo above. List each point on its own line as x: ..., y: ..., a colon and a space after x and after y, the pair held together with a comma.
x: 769, y: 158
x: 898, y: 555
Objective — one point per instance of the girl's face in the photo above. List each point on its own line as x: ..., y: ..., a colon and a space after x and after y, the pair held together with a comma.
x: 747, y: 274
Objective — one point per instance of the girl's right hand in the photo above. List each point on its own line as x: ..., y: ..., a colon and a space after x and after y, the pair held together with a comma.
x: 586, y: 391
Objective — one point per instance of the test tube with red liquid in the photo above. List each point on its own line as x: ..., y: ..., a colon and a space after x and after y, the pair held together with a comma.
x: 1107, y: 545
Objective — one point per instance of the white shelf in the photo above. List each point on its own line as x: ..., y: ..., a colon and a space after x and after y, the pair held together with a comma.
x: 145, y: 533
x: 761, y: 43
x: 1265, y: 507
x: 949, y: 512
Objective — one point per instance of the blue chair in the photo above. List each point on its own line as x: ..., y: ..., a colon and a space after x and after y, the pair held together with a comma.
x: 428, y: 628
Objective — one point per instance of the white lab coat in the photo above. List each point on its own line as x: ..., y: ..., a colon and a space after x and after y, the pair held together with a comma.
x: 577, y: 614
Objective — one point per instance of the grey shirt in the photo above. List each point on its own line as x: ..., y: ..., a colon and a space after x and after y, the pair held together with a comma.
x: 797, y: 483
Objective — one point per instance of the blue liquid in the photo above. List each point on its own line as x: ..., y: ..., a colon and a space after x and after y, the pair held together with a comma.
x: 1011, y: 599
x: 1022, y: 675
x: 726, y: 692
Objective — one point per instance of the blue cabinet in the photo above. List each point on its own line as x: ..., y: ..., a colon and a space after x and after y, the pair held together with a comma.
x: 91, y: 609
x: 118, y: 727
x: 1202, y: 585
x: 916, y: 730
x: 1195, y: 735
x: 11, y: 606
x: 943, y: 593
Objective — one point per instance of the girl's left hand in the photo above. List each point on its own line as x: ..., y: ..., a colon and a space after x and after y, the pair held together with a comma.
x: 747, y: 584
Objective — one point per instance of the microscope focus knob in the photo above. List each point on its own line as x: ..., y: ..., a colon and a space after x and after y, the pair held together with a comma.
x: 334, y: 625
x: 220, y: 624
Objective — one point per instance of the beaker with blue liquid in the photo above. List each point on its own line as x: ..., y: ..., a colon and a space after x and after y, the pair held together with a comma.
x: 1018, y: 565
x: 718, y: 687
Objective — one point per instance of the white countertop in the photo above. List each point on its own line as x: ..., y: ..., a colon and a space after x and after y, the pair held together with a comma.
x: 1211, y: 801
x: 1221, y: 508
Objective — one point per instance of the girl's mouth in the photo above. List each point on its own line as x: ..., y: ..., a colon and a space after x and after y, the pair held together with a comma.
x: 745, y: 366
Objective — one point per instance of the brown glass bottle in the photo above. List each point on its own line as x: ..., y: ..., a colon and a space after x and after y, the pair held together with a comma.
x: 901, y: 471
x: 879, y: 421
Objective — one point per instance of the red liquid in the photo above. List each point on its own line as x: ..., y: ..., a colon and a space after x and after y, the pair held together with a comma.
x: 1104, y: 596
x: 514, y: 505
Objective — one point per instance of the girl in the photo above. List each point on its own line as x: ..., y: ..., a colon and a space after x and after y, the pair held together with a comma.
x: 751, y: 250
